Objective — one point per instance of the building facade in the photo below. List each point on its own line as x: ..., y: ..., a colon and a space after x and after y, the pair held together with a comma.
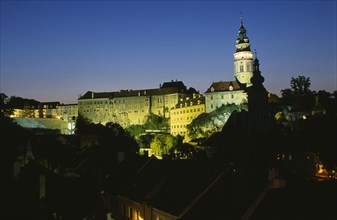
x: 184, y: 112
x: 67, y: 111
x: 130, y: 107
x: 222, y: 93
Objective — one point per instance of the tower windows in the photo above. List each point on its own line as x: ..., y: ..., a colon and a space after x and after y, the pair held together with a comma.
x: 241, y: 68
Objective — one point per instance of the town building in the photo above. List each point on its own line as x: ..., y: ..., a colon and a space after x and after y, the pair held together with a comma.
x: 67, y: 112
x: 184, y: 112
x: 222, y: 93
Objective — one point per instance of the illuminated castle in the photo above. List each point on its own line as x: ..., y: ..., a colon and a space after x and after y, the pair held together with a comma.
x: 171, y: 100
x: 131, y: 107
x: 228, y: 92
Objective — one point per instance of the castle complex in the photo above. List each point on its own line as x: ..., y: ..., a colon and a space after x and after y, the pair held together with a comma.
x: 171, y: 100
x: 222, y: 93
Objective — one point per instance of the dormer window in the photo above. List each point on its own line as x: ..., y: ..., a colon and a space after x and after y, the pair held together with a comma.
x: 212, y: 89
x: 230, y: 88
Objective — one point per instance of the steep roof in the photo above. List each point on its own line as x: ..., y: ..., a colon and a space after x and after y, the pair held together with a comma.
x: 177, y: 84
x: 224, y: 86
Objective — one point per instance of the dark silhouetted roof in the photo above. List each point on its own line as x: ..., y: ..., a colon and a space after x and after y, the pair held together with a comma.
x: 316, y: 200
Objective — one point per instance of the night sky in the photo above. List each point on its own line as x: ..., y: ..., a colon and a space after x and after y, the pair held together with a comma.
x: 56, y: 50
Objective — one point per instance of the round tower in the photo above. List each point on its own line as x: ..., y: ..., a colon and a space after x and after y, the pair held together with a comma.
x: 243, y: 57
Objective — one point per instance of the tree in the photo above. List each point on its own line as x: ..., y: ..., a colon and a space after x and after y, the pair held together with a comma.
x: 5, y: 109
x: 162, y: 143
x: 207, y: 123
x: 299, y: 86
x: 156, y: 122
x: 116, y: 129
x: 135, y: 130
x: 81, y: 124
x: 183, y: 151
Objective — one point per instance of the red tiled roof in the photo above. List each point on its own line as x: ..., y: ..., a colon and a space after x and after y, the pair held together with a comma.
x: 224, y: 86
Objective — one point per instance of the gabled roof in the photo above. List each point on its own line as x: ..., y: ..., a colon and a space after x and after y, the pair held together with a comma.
x: 272, y: 98
x: 176, y: 84
x: 224, y: 86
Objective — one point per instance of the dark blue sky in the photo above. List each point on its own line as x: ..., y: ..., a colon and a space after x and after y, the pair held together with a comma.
x: 55, y: 50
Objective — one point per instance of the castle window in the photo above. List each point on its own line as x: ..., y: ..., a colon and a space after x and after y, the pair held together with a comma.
x: 241, y: 68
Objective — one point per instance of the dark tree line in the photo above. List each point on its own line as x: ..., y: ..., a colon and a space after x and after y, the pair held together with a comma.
x: 300, y: 88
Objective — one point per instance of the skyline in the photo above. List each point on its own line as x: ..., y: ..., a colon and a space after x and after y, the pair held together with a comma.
x: 53, y: 51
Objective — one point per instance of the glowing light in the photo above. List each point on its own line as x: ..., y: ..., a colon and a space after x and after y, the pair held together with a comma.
x: 243, y: 55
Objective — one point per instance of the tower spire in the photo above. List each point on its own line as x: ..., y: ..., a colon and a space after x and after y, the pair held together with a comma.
x: 241, y: 20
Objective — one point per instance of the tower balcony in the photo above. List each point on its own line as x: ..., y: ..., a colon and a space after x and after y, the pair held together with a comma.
x: 244, y: 55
